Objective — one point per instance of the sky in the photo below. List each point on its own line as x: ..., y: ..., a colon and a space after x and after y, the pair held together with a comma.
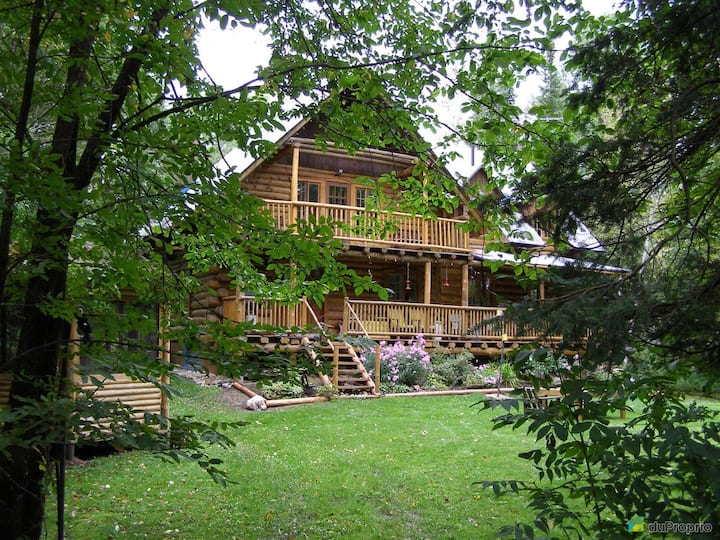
x: 231, y: 57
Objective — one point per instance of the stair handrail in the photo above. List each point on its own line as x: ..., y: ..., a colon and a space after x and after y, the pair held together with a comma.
x: 323, y: 377
x: 351, y: 311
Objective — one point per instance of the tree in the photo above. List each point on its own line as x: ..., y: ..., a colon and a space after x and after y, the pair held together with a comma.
x: 636, y: 151
x: 108, y: 128
x: 643, y: 162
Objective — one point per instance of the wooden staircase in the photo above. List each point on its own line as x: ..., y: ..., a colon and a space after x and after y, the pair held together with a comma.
x: 351, y: 377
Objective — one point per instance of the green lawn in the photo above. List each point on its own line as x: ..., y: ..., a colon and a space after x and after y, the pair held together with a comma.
x: 377, y: 468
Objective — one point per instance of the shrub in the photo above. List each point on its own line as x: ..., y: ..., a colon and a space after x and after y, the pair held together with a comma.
x: 400, y: 364
x: 452, y: 369
x: 435, y: 382
x: 489, y: 375
x: 541, y: 363
x: 281, y: 390
x: 485, y: 375
x: 387, y: 388
x: 660, y: 466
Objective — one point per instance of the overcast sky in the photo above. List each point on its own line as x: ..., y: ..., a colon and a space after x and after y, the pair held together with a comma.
x: 232, y: 56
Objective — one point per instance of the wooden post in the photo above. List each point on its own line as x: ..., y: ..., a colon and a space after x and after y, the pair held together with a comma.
x: 336, y: 367
x: 428, y: 284
x: 294, y: 181
x: 377, y: 368
x: 465, y: 292
x: 239, y: 304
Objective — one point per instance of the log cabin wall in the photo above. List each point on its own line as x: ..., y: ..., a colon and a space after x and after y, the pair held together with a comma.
x: 206, y: 304
x: 271, y: 180
x: 5, y: 382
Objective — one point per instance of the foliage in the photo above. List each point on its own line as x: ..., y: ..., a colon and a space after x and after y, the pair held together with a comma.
x: 541, y: 363
x: 492, y: 374
x: 452, y: 369
x: 281, y: 390
x: 400, y: 364
x: 660, y: 465
x: 108, y: 182
x: 636, y: 151
x: 327, y: 390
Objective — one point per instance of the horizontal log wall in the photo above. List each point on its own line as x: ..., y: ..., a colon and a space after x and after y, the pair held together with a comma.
x: 4, y: 389
x: 270, y: 181
x: 141, y: 396
x: 206, y: 303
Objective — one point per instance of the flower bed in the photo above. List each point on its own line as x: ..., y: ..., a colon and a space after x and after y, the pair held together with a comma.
x: 409, y: 367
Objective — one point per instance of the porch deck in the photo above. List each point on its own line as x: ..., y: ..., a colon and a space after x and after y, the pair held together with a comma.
x: 481, y: 328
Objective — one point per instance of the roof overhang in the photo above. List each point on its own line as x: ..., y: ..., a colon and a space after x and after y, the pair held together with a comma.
x: 545, y: 261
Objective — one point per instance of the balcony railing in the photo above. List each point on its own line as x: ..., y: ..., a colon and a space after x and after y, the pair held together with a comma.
x: 362, y: 317
x: 373, y: 226
x: 386, y: 319
x: 265, y: 312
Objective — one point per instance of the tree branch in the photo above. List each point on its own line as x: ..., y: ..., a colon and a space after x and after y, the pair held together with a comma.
x: 99, y: 139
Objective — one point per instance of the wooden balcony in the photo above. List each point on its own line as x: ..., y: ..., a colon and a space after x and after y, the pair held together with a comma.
x: 364, y: 227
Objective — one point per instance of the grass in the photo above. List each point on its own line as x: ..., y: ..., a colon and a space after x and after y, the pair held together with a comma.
x: 379, y: 468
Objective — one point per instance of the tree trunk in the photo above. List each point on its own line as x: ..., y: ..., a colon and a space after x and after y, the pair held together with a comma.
x: 23, y: 468
x: 23, y: 482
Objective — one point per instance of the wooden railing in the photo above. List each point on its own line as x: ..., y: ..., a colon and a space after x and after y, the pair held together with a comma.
x: 385, y: 319
x: 361, y: 224
x: 362, y: 317
x: 265, y: 312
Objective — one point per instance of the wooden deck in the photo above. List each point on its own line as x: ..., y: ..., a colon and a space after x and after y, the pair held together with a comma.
x: 483, y: 330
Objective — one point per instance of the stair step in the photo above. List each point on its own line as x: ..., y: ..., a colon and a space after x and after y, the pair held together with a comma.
x: 359, y: 389
x: 351, y: 374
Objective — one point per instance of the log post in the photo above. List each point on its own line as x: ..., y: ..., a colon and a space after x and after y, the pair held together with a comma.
x: 377, y: 368
x: 428, y: 285
x: 294, y: 181
x: 465, y: 291
x: 336, y: 366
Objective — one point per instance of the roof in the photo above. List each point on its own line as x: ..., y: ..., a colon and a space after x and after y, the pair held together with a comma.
x: 545, y: 261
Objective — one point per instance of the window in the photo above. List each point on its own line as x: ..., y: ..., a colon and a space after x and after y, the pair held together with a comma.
x: 308, y: 192
x: 338, y: 194
x: 361, y: 197
x: 131, y: 327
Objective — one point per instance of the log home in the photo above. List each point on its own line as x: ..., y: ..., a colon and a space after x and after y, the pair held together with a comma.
x: 438, y: 275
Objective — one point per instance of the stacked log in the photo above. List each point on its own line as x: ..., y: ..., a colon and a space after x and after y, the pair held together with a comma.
x: 206, y: 303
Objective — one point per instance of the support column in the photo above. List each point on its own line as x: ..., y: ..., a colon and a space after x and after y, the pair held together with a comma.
x: 428, y: 283
x: 294, y: 181
x: 465, y: 285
